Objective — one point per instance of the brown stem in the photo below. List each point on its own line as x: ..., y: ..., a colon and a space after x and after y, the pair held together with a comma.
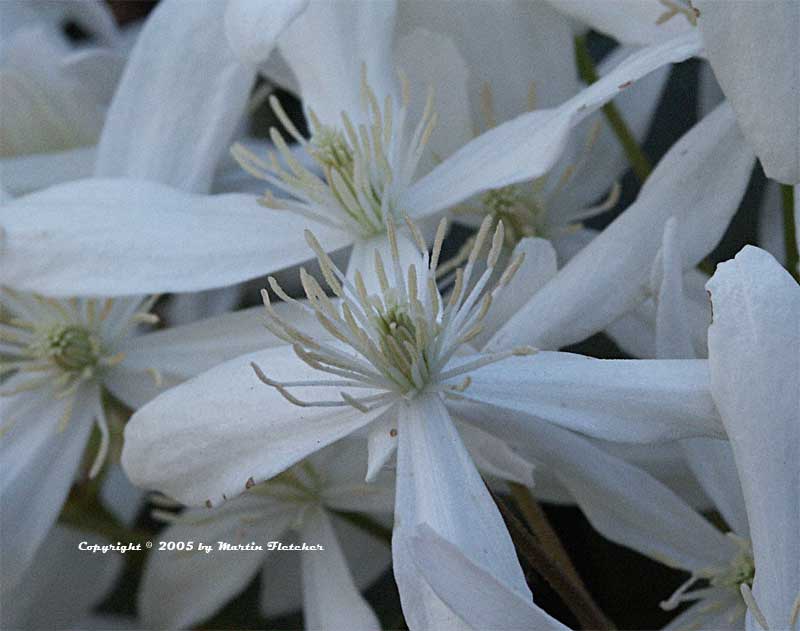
x: 541, y: 528
x: 573, y: 595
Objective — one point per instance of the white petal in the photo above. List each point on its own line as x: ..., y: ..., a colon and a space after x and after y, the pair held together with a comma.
x: 629, y: 21
x: 120, y: 496
x: 754, y: 355
x: 362, y: 258
x: 173, y: 125
x: 39, y: 463
x: 536, y: 270
x: 252, y: 28
x: 381, y: 445
x: 180, y: 588
x: 203, y: 440
x: 700, y: 182
x: 529, y: 145
x: 711, y: 462
x: 494, y: 457
x: 621, y: 400
x: 497, y: 41
x: 752, y: 48
x: 621, y: 501
x: 438, y: 484
x: 25, y: 174
x: 603, y: 162
x: 178, y: 353
x: 67, y: 579
x: 126, y: 237
x: 330, y: 598
x: 432, y: 59
x: 673, y: 339
x: 472, y: 591
x: 347, y: 33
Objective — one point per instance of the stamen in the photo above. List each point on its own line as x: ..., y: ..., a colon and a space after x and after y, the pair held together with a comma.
x: 752, y: 605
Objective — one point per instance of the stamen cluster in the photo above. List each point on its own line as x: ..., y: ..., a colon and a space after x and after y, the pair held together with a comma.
x: 400, y: 341
x: 364, y: 166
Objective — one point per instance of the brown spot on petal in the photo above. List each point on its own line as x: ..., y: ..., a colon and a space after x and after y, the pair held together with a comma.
x: 208, y: 504
x: 392, y: 432
x: 250, y: 483
x: 627, y: 84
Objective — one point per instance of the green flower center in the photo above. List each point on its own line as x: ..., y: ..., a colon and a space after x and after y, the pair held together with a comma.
x: 72, y: 348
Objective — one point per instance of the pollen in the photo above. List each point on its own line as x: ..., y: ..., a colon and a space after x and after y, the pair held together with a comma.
x: 361, y: 168
x: 399, y: 342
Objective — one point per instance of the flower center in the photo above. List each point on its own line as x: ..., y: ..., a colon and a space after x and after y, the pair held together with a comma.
x: 364, y: 167
x: 400, y: 341
x: 736, y: 577
x: 70, y: 347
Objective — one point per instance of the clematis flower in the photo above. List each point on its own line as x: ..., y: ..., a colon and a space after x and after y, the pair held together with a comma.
x: 236, y: 233
x: 298, y: 506
x: 60, y: 358
x: 401, y: 363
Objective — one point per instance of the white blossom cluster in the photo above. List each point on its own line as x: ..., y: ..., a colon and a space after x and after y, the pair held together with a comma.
x: 398, y: 406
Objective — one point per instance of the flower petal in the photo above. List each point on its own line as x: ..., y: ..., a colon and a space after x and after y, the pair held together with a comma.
x: 121, y: 236
x: 183, y: 116
x: 623, y: 502
x: 203, y: 440
x: 347, y: 34
x: 39, y: 466
x: 474, y: 593
x: 29, y: 173
x: 331, y: 599
x: 539, y: 267
x: 180, y: 588
x: 752, y: 48
x: 700, y: 182
x: 498, y: 42
x: 252, y: 28
x: 754, y: 356
x: 629, y: 21
x: 529, y: 145
x: 619, y: 400
x: 438, y: 484
x: 176, y: 354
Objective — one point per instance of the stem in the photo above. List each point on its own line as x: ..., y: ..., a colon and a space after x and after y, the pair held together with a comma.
x: 789, y: 234
x: 540, y: 526
x: 368, y: 524
x: 574, y: 596
x: 588, y: 72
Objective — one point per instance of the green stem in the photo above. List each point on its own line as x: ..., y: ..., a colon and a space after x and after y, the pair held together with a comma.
x: 588, y: 73
x: 789, y: 234
x: 368, y: 524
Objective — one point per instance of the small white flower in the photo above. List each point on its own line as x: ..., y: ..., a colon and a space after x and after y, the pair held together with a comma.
x: 297, y: 506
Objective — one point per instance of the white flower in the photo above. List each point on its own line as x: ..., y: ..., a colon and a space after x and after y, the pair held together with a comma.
x: 59, y: 357
x: 400, y: 362
x: 135, y: 224
x: 298, y: 506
